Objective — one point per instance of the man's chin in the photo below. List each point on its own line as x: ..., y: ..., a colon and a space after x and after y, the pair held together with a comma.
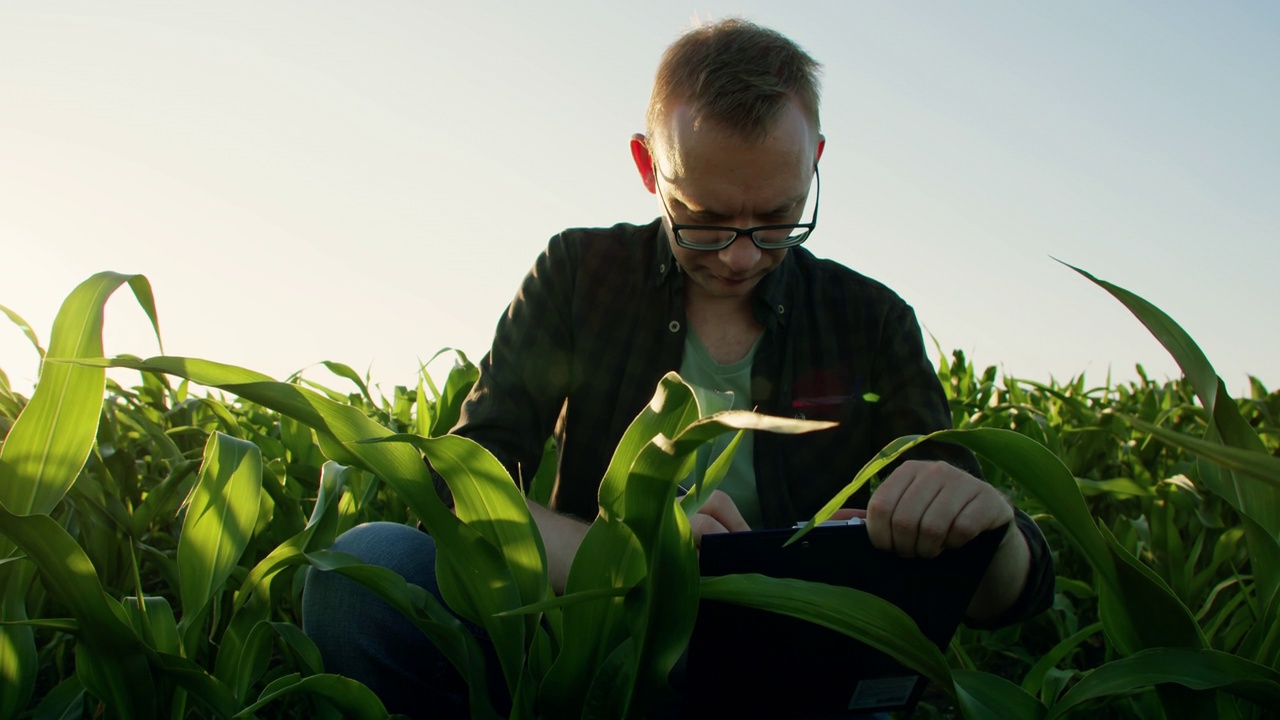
x: 725, y: 287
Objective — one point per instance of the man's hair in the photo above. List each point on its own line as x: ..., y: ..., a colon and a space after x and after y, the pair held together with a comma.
x: 736, y: 74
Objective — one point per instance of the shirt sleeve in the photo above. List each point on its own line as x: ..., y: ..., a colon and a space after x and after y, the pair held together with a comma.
x: 525, y: 377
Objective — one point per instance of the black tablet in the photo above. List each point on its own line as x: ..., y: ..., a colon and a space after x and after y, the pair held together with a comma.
x: 752, y: 663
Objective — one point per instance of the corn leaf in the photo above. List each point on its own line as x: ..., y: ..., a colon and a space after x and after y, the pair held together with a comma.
x: 18, y: 657
x: 983, y: 695
x: 254, y: 654
x: 1258, y: 502
x: 487, y: 500
x: 64, y: 702
x: 1195, y: 669
x: 609, y: 561
x: 858, y: 614
x: 153, y: 621
x: 51, y: 439
x: 351, y: 698
x: 603, y: 700
x: 345, y: 371
x: 197, y: 683
x: 1257, y: 467
x: 301, y: 645
x: 25, y: 327
x: 428, y: 615
x: 111, y: 660
x: 1034, y: 679
x: 473, y: 575
x: 456, y: 386
x: 219, y: 521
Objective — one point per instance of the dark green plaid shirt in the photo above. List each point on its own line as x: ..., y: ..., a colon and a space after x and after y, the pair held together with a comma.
x: 600, y: 319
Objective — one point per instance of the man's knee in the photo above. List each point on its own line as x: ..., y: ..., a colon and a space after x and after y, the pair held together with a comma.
x: 328, y: 595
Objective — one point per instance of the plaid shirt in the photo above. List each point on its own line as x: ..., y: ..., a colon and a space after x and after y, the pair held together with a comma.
x: 600, y: 319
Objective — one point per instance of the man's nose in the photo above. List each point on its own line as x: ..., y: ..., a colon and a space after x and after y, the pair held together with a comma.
x: 741, y: 255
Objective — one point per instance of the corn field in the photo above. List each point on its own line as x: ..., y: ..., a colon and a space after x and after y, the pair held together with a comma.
x: 154, y: 539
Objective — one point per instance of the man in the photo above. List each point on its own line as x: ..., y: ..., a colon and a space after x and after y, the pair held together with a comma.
x: 720, y: 289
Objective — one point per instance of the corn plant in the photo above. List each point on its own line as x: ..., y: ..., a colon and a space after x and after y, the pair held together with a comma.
x: 167, y: 531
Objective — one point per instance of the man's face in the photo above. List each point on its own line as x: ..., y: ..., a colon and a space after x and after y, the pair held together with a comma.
x: 709, y: 176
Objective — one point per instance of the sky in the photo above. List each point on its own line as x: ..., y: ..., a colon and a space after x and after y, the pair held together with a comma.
x: 368, y: 183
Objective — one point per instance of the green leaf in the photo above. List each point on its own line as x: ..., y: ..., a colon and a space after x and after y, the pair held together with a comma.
x: 351, y: 698
x: 661, y: 611
x: 868, y: 471
x: 1034, y: 678
x: 153, y: 621
x: 289, y: 553
x: 486, y: 499
x: 858, y: 614
x: 1152, y: 616
x: 18, y: 656
x: 609, y: 562
x: 345, y: 371
x: 983, y: 695
x: 456, y: 386
x: 1261, y: 503
x: 243, y: 652
x: 1195, y: 669
x: 253, y: 656
x: 301, y: 645
x: 473, y: 576
x: 1258, y: 466
x: 63, y: 625
x: 339, y: 429
x: 25, y: 327
x: 111, y: 660
x: 603, y: 700
x: 426, y: 613
x: 197, y: 683
x: 219, y: 521
x: 51, y: 439
x: 64, y: 702
x: 1117, y: 487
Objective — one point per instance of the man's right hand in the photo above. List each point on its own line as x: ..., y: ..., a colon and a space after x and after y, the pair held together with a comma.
x: 718, y: 514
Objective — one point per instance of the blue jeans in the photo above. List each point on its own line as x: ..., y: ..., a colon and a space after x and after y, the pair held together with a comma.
x: 362, y: 637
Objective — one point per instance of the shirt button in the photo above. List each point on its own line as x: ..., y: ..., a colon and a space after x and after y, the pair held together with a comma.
x: 674, y: 326
x: 781, y: 309
x: 662, y: 268
x: 801, y: 416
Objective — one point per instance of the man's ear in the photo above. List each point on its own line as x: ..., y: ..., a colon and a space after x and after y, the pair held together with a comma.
x: 643, y: 160
x: 822, y: 143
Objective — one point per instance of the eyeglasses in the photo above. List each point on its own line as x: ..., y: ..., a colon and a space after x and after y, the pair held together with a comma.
x: 766, y: 237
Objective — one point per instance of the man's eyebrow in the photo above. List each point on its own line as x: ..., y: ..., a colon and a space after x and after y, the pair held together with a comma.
x: 787, y: 204
x: 704, y: 212
x: 783, y: 207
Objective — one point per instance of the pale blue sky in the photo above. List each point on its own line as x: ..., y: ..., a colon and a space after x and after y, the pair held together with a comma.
x: 368, y: 182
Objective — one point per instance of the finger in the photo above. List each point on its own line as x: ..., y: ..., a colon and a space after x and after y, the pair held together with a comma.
x: 938, y: 525
x: 702, y: 524
x: 905, y: 522
x: 721, y: 507
x: 987, y: 511
x: 882, y: 503
x: 846, y: 513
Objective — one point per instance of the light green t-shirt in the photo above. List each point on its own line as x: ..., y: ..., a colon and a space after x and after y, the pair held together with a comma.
x: 734, y: 380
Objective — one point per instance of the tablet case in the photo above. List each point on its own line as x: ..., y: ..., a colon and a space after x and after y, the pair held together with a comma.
x: 744, y: 662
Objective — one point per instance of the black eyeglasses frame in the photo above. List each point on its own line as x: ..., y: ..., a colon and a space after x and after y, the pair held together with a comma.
x: 791, y: 241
